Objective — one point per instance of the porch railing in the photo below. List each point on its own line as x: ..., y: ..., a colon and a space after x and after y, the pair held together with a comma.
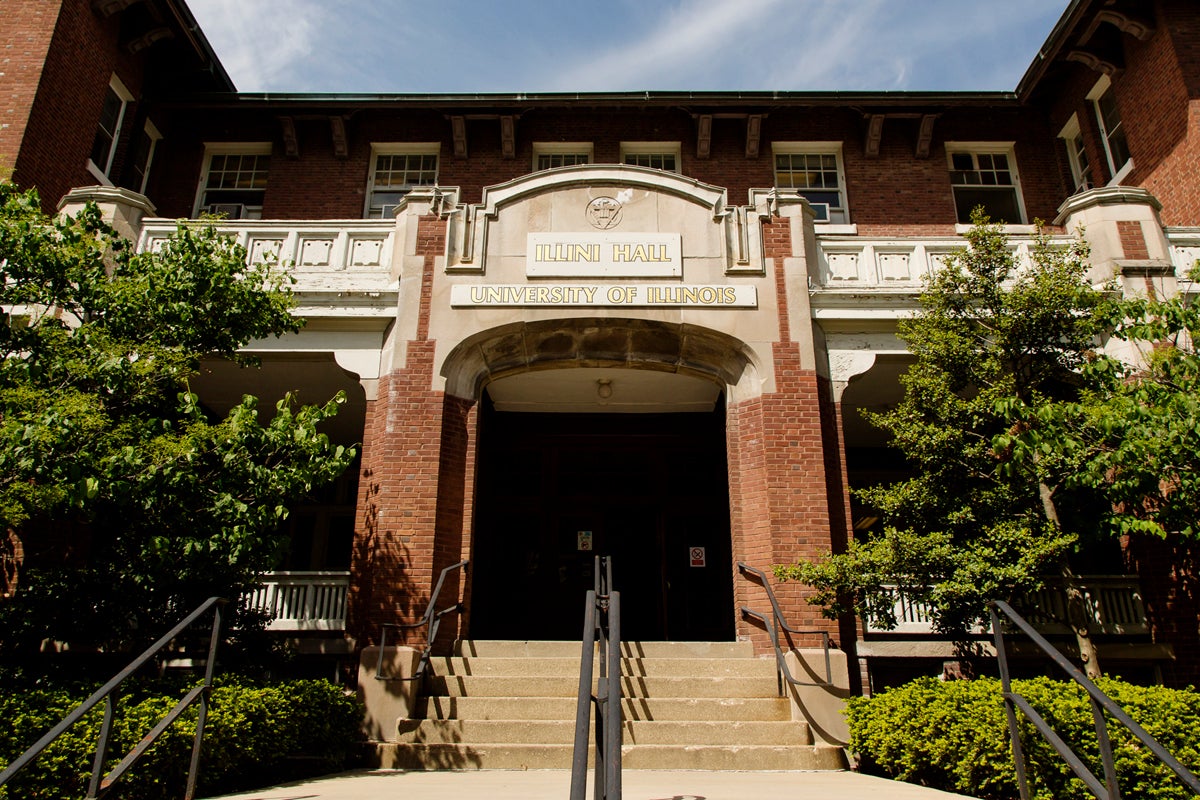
x: 302, y: 601
x: 1113, y: 603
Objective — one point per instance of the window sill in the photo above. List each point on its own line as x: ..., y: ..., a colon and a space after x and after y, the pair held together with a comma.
x: 836, y: 228
x: 98, y: 173
x: 1122, y: 173
x: 1011, y: 230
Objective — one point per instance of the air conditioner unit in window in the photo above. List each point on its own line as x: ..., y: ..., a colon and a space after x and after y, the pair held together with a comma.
x: 226, y: 210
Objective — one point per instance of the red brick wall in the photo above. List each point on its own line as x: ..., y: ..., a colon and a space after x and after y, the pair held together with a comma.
x: 892, y: 194
x: 82, y: 57
x: 26, y: 29
x: 1169, y: 573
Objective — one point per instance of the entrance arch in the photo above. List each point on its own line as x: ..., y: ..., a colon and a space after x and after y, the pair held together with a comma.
x: 601, y: 436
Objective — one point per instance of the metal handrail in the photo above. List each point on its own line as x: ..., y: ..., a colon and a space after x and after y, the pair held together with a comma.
x: 99, y: 786
x: 776, y: 623
x: 1101, y: 703
x: 432, y: 619
x: 601, y: 623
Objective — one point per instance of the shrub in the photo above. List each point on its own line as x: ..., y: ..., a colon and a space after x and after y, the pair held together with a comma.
x: 255, y: 734
x: 954, y: 736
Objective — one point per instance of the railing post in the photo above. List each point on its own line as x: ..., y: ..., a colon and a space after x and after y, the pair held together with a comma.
x: 614, y: 733
x: 1010, y: 711
x: 202, y: 716
x: 1106, y: 754
x: 583, y: 706
x: 102, y: 745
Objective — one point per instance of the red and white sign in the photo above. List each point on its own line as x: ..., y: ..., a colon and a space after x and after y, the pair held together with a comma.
x: 696, y: 554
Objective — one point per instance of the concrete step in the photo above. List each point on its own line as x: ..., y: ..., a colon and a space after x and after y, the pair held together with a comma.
x: 456, y: 731
x: 562, y: 666
x: 719, y: 758
x: 556, y: 686
x: 497, y: 648
x: 438, y: 756
x: 742, y: 709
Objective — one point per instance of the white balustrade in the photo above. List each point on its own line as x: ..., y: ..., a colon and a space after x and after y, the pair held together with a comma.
x: 354, y: 254
x: 302, y: 601
x: 1113, y: 604
x: 864, y: 262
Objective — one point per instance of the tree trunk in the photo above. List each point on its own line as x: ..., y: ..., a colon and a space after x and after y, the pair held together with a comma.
x: 1077, y: 617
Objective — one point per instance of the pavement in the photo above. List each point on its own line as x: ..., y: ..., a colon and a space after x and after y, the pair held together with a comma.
x: 555, y: 785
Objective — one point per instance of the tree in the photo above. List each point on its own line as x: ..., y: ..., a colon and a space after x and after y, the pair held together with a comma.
x: 974, y: 522
x: 130, y: 501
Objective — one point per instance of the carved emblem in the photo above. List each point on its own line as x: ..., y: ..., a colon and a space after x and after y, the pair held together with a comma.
x: 603, y: 213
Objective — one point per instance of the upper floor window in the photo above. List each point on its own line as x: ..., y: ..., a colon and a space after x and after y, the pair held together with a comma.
x: 1112, y: 132
x: 108, y: 130
x: 395, y: 171
x: 655, y: 155
x: 814, y: 170
x: 548, y: 155
x: 143, y: 156
x: 1077, y: 156
x: 235, y: 180
x: 985, y: 175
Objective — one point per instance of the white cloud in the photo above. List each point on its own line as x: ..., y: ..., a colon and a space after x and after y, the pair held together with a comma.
x: 262, y: 44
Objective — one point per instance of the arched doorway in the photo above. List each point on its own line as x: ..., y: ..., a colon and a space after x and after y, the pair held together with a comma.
x: 582, y: 456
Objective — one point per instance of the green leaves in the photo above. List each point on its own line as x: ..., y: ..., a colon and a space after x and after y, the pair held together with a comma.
x: 103, y: 450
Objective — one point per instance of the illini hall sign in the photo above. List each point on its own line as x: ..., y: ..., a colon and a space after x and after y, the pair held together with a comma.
x: 604, y: 255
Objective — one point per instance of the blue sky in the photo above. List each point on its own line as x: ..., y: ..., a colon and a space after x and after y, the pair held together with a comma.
x: 513, y: 46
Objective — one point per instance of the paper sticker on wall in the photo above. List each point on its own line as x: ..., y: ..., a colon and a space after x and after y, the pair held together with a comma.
x: 696, y: 554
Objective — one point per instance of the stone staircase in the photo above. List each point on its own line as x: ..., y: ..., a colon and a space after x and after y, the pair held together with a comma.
x: 687, y: 705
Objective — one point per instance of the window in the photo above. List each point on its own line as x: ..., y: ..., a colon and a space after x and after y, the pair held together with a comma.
x: 395, y: 171
x: 814, y: 171
x: 143, y: 156
x: 655, y: 155
x: 548, y: 155
x: 1112, y: 132
x: 235, y: 180
x: 108, y: 130
x: 1077, y: 154
x: 985, y: 175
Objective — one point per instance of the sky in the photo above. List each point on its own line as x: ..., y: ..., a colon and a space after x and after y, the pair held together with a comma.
x: 518, y: 46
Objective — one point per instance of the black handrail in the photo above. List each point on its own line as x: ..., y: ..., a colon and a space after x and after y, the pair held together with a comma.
x: 776, y: 623
x: 99, y: 786
x: 432, y: 619
x: 601, y: 623
x: 1101, y: 703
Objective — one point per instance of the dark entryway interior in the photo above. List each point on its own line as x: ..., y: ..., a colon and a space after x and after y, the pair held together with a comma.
x: 555, y: 489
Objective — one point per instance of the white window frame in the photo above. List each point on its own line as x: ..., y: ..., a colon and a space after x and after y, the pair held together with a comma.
x: 155, y: 136
x: 1072, y: 137
x: 561, y: 148
x: 102, y: 172
x: 1102, y: 87
x: 672, y: 149
x: 989, y: 148
x: 397, y: 149
x: 836, y: 216
x: 228, y: 149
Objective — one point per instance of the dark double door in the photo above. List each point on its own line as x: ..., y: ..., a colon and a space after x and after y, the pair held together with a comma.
x: 555, y: 490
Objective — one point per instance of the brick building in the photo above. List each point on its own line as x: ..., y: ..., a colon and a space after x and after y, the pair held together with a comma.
x: 643, y: 324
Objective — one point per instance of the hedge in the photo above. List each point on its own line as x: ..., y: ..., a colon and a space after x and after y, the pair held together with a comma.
x: 256, y: 734
x: 953, y: 736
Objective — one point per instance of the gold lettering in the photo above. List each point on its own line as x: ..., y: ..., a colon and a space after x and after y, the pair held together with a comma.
x: 589, y: 293
x: 729, y: 295
x: 621, y: 252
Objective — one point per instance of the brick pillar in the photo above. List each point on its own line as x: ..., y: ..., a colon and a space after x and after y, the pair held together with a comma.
x: 787, y: 465
x: 417, y: 473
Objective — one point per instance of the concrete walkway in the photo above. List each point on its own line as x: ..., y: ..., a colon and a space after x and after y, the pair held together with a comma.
x: 555, y: 785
